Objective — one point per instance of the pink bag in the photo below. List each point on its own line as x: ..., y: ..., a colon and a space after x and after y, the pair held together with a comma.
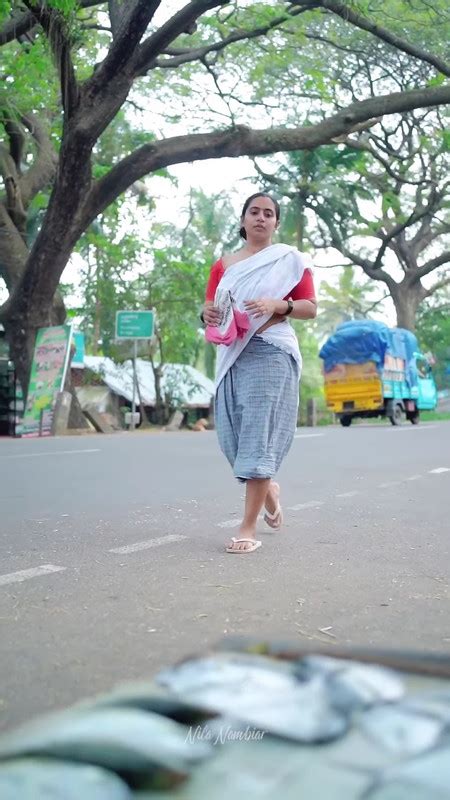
x: 234, y: 323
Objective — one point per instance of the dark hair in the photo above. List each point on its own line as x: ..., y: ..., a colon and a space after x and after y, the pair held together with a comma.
x: 242, y: 232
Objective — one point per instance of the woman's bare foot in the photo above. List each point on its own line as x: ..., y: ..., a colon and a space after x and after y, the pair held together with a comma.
x: 248, y: 534
x: 272, y: 497
x: 274, y: 514
x: 243, y: 545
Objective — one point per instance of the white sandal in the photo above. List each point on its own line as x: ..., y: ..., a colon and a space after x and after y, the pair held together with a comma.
x: 254, y: 542
x: 276, y: 517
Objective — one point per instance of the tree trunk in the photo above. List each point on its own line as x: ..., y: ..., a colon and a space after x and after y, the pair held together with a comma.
x: 160, y: 406
x: 77, y: 420
x: 21, y: 335
x: 145, y: 423
x: 407, y: 299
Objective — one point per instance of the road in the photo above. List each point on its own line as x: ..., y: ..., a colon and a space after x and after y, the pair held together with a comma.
x: 112, y: 561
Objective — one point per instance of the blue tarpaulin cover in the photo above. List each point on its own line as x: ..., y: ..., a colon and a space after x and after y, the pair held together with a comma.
x: 367, y: 340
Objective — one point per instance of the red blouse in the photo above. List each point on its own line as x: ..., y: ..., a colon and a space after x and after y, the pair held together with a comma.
x: 303, y: 291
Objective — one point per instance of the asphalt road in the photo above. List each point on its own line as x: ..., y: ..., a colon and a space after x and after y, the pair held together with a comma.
x: 112, y: 561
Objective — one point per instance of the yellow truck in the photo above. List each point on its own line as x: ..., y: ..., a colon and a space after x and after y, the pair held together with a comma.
x: 371, y: 370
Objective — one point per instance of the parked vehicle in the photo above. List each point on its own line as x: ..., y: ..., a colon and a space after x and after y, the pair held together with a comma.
x: 371, y: 370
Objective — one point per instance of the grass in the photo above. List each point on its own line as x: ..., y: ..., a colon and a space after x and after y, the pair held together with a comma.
x: 434, y: 416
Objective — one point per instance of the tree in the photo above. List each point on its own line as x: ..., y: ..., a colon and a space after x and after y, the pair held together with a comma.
x: 381, y: 200
x: 165, y: 270
x: 92, y: 94
x: 345, y: 301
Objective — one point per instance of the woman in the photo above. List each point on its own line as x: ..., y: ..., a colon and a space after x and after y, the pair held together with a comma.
x: 257, y: 375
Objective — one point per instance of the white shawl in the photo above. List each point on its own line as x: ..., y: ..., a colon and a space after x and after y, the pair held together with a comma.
x: 272, y: 272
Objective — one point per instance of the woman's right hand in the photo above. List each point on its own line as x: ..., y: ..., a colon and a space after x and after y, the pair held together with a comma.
x: 211, y: 315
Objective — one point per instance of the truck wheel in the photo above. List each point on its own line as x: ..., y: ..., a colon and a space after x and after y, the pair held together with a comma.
x: 346, y: 420
x: 397, y: 415
x: 414, y: 417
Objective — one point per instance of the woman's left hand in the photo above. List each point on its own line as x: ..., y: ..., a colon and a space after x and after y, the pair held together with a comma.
x: 260, y: 308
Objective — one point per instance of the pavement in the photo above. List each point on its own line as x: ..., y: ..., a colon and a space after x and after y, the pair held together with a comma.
x: 113, y: 565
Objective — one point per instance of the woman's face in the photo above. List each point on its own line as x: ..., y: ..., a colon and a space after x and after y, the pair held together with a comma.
x: 260, y: 219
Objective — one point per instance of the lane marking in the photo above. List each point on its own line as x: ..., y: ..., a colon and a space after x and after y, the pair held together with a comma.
x: 414, y: 478
x: 157, y: 542
x: 347, y: 494
x: 438, y: 470
x: 26, y: 574
x: 405, y: 429
x: 307, y: 435
x: 229, y: 523
x: 310, y: 504
x: 388, y: 484
x: 52, y: 453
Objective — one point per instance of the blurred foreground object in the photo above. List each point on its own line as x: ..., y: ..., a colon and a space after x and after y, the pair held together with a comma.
x: 252, y: 720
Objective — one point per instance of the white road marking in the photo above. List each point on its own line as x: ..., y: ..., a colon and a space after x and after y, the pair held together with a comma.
x: 410, y: 428
x: 347, y: 494
x: 157, y: 542
x: 26, y: 574
x: 388, y: 484
x: 439, y: 469
x: 229, y: 523
x: 52, y: 453
x: 414, y: 478
x: 307, y: 435
x: 310, y: 504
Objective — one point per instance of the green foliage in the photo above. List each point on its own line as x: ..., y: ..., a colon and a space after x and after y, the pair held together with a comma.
x: 111, y: 262
x: 30, y: 83
x: 433, y: 333
x: 167, y: 272
x: 311, y: 385
x: 347, y: 300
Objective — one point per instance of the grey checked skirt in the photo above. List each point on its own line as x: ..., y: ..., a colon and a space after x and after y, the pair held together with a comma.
x: 256, y: 409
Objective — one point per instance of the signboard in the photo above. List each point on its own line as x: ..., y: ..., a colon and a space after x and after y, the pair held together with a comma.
x: 48, y: 373
x: 78, y: 357
x: 135, y: 324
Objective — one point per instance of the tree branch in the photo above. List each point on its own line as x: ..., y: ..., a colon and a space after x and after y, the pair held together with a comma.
x: 380, y: 275
x: 123, y: 49
x: 359, y: 21
x: 55, y: 28
x: 438, y: 286
x: 242, y: 141
x: 43, y: 170
x: 338, y: 243
x: 433, y: 264
x: 16, y: 27
x: 16, y: 139
x: 24, y: 21
x: 14, y: 204
x: 183, y: 21
x: 116, y: 10
x: 185, y: 55
x: 425, y: 234
x: 13, y: 249
x: 366, y: 147
x: 386, y: 238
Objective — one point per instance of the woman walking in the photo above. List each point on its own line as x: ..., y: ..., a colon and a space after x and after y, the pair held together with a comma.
x: 258, y: 369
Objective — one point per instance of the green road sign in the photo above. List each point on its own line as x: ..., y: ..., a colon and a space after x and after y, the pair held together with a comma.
x: 134, y: 324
